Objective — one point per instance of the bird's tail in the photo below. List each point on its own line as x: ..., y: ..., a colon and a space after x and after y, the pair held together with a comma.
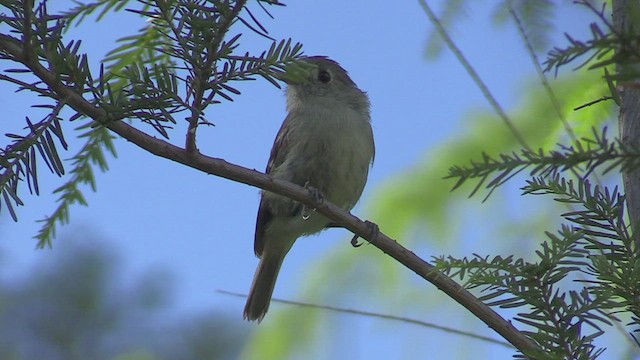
x: 262, y: 288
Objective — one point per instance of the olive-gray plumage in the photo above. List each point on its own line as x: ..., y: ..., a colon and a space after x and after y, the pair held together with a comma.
x: 325, y: 142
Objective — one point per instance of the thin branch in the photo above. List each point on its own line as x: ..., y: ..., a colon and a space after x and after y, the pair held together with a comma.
x: 593, y: 102
x: 474, y: 75
x: 201, y: 76
x: 222, y: 168
x: 26, y: 29
x: 381, y: 316
x: 545, y: 82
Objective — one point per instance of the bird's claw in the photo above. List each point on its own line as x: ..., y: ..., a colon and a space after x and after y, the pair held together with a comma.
x: 317, y: 197
x: 373, y: 231
x: 354, y: 241
x: 315, y: 193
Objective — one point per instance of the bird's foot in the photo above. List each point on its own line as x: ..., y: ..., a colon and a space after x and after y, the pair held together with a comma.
x: 373, y: 231
x: 315, y: 193
x: 317, y: 197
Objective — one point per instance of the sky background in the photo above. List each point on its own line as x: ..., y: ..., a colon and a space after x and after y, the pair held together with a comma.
x: 198, y: 229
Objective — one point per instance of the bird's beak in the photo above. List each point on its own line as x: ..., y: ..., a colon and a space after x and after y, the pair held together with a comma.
x: 286, y: 78
x: 297, y: 72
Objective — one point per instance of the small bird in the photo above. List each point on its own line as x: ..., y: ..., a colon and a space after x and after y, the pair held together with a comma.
x: 325, y: 144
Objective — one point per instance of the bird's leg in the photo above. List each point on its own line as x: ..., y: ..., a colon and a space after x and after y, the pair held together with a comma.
x: 317, y: 197
x: 372, y: 229
x: 315, y: 193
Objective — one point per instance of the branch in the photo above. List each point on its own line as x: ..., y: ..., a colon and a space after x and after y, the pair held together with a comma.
x: 474, y: 75
x: 628, y: 119
x: 543, y: 78
x: 202, y: 73
x: 390, y: 317
x: 222, y: 168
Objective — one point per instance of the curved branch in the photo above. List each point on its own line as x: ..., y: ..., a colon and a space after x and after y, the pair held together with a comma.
x: 222, y: 168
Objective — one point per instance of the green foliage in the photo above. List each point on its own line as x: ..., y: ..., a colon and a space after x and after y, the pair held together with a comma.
x: 584, y: 157
x: 90, y: 155
x: 593, y: 251
x: 185, y: 45
x: 18, y: 160
x: 607, y: 46
x: 77, y: 14
x: 585, y: 277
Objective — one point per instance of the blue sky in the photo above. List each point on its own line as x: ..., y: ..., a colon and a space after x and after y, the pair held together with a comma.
x: 199, y: 228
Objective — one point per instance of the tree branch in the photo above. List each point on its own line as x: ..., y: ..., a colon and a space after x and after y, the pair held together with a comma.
x: 629, y: 117
x: 202, y: 72
x: 222, y: 168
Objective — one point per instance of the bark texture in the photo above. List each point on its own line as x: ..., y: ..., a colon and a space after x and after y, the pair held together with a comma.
x: 629, y: 117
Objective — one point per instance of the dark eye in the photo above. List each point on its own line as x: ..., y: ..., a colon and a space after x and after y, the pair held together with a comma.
x: 324, y: 76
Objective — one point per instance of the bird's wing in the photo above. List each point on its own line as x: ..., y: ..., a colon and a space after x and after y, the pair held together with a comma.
x: 278, y: 155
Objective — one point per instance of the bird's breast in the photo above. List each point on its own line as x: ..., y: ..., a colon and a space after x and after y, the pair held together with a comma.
x: 337, y: 154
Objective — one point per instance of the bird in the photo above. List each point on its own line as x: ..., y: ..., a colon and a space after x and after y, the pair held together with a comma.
x: 324, y: 144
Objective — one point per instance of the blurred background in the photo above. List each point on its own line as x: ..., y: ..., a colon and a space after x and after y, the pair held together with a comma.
x: 136, y: 274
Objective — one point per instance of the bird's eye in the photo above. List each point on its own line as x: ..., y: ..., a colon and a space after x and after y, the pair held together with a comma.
x: 324, y: 76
